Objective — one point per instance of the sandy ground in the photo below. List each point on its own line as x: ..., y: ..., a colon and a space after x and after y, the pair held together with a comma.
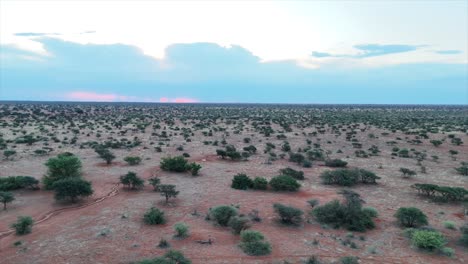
x: 71, y: 233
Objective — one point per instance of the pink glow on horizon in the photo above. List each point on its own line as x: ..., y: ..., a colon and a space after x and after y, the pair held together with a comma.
x: 91, y: 96
x: 181, y: 100
x: 163, y: 99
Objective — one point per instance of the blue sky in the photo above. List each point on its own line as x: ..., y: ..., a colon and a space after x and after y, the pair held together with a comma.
x: 380, y: 52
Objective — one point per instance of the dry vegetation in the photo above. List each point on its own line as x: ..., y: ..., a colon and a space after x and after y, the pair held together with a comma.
x: 162, y: 183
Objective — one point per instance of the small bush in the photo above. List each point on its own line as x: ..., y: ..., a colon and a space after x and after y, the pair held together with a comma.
x: 239, y: 224
x: 171, y: 257
x: 464, y: 238
x: 241, y: 182
x: 349, y: 260
x: 23, y: 225
x: 428, y: 240
x: 253, y: 244
x: 222, y: 214
x: 175, y: 164
x: 132, y: 160
x: 449, y: 252
x: 370, y: 211
x: 260, y: 183
x: 154, y: 216
x: 336, y: 163
x: 181, y: 230
x: 298, y: 175
x: 450, y: 225
x: 284, y: 183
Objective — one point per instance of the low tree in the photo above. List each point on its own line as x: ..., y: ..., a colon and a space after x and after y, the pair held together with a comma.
x: 194, y: 168
x: 175, y: 164
x: 155, y: 182
x: 260, y: 183
x: 23, y: 225
x: 105, y: 154
x: 132, y: 181
x: 171, y: 257
x: 411, y: 217
x: 463, y: 169
x: 407, y: 172
x: 239, y: 224
x: 9, y: 153
x: 6, y: 197
x: 336, y: 163
x: 298, y: 175
x: 168, y: 191
x: 72, y: 189
x: 288, y: 214
x: 154, y: 216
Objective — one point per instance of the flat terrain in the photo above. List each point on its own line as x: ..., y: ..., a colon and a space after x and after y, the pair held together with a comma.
x: 108, y: 227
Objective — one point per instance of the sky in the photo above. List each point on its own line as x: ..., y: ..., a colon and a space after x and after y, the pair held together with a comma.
x: 361, y: 52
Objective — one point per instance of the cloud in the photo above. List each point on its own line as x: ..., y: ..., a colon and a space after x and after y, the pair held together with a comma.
x: 448, y: 52
x: 95, y: 97
x: 370, y: 50
x: 35, y: 34
x: 321, y: 54
x: 213, y: 73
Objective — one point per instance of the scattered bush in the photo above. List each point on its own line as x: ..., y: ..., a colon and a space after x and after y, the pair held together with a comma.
x: 450, y: 225
x: 23, y: 225
x: 168, y: 191
x: 181, y: 230
x: 171, y: 257
x: 241, y: 182
x: 222, y: 214
x: 348, y: 177
x: 428, y: 240
x: 132, y: 160
x: 154, y: 216
x: 60, y: 167
x: 18, y: 182
x: 239, y: 224
x: 336, y: 163
x: 298, y: 175
x: 441, y: 193
x: 253, y: 244
x: 411, y: 217
x: 284, y: 183
x: 349, y: 260
x: 260, y: 183
x: 175, y: 164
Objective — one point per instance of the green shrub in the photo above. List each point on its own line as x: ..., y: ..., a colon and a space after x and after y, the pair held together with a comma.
x: 450, y: 225
x: 288, y: 214
x: 260, y: 183
x: 464, y: 238
x: 132, y: 160
x: 371, y: 211
x: 154, y: 216
x: 6, y: 197
x: 411, y: 217
x: 23, y: 225
x: 449, y: 252
x: 284, y: 183
x: 241, y: 182
x: 336, y: 163
x: 222, y: 214
x: 348, y: 177
x: 18, y: 182
x: 171, y: 257
x: 428, y: 240
x: 181, y: 230
x: 298, y: 175
x: 349, y: 260
x: 253, y: 244
x: 239, y: 224
x: 175, y: 164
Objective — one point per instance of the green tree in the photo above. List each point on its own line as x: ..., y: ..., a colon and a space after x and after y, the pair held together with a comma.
x: 23, y: 225
x: 6, y: 197
x: 61, y: 167
x: 253, y: 244
x: 176, y: 164
x: 72, y: 189
x: 132, y: 160
x: 168, y: 191
x: 428, y: 240
x: 155, y: 182
x: 131, y: 180
x: 411, y: 217
x: 105, y: 154
x: 288, y: 214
